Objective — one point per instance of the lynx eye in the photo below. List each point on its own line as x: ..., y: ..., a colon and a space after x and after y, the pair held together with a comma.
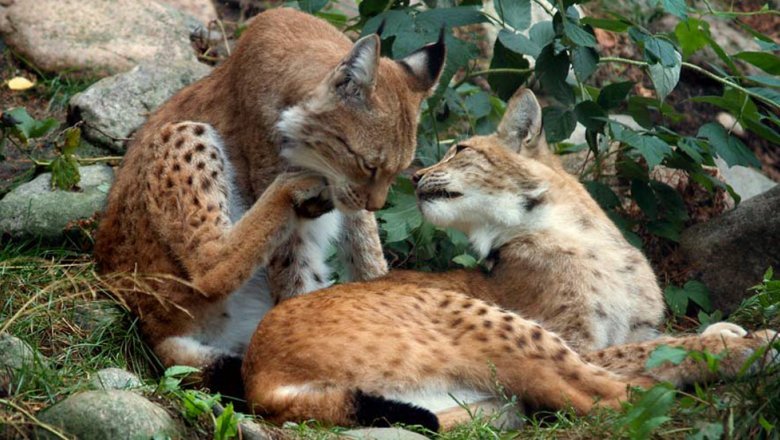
x: 367, y: 168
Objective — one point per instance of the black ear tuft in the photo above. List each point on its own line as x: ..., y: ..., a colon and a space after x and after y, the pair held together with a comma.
x: 426, y: 64
x: 381, y: 27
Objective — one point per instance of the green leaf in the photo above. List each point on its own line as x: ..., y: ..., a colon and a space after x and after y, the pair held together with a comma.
x: 710, y: 431
x: 698, y: 293
x: 676, y: 7
x: 478, y: 104
x: 226, y: 425
x: 434, y: 19
x: 403, y: 216
x: 658, y: 50
x: 676, y: 299
x: 72, y: 141
x: 180, y: 371
x: 692, y: 35
x: 602, y: 194
x: 614, y: 94
x: 664, y: 78
x: 767, y: 93
x: 768, y: 62
x: 559, y: 123
x: 516, y: 13
x: 518, y: 43
x: 728, y: 147
x: 466, y: 261
x: 665, y: 353
x: 542, y: 33
x: 312, y: 6
x: 65, y: 172
x: 26, y: 127
x: 577, y: 34
x: 552, y: 69
x: 591, y: 115
x: 652, y: 148
x: 765, y: 80
x: 584, y: 60
x: 369, y: 8
x: 602, y: 23
x: 691, y: 147
x: 645, y: 198
x: 649, y: 412
x: 505, y: 84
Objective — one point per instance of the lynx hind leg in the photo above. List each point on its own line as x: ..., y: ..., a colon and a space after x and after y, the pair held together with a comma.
x: 631, y: 359
x: 725, y: 329
x: 220, y: 370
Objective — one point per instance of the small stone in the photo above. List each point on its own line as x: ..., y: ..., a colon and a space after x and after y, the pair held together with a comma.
x: 111, y: 414
x: 114, y: 107
x: 98, y: 314
x: 382, y: 434
x: 33, y: 209
x: 114, y: 379
x: 203, y: 10
x: 95, y: 37
x: 17, y: 358
x: 731, y: 253
x: 747, y: 182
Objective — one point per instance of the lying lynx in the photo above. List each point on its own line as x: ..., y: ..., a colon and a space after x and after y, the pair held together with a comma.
x: 554, y: 255
x: 395, y: 349
x: 194, y: 217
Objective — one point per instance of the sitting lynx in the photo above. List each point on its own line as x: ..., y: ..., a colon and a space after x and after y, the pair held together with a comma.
x: 395, y: 349
x: 194, y: 218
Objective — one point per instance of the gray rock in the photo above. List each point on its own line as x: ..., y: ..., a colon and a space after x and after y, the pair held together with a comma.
x: 16, y: 359
x: 114, y: 107
x: 110, y: 414
x: 203, y: 10
x: 98, y: 314
x: 114, y: 379
x: 382, y: 434
x: 33, y: 209
x: 745, y: 181
x: 731, y: 252
x: 97, y: 37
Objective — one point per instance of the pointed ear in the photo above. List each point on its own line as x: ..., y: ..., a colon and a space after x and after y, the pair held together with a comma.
x: 355, y: 76
x: 426, y: 64
x: 522, y: 121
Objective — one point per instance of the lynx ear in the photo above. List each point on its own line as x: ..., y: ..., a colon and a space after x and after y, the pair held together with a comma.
x: 426, y: 64
x: 522, y: 121
x: 355, y: 76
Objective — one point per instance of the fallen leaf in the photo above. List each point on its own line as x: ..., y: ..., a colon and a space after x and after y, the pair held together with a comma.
x: 20, y: 83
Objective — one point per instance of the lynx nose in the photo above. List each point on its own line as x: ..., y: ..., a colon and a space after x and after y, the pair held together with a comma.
x: 416, y: 179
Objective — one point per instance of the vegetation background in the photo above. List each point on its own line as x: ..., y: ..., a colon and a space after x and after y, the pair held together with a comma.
x: 586, y: 67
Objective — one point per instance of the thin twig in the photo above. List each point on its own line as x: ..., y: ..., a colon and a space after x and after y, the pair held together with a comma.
x: 45, y: 426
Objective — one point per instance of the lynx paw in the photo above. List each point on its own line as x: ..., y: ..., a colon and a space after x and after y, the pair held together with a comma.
x: 309, y: 193
x: 725, y: 329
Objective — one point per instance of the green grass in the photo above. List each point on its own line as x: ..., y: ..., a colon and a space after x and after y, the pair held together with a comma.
x: 54, y: 301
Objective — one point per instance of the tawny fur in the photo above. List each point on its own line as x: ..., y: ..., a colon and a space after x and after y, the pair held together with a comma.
x: 553, y: 255
x: 194, y: 215
x: 556, y: 260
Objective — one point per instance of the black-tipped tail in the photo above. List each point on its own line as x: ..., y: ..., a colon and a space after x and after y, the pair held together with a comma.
x: 378, y: 411
x: 224, y: 377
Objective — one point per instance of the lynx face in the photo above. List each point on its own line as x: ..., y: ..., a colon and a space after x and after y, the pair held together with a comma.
x: 484, y: 188
x: 358, y: 127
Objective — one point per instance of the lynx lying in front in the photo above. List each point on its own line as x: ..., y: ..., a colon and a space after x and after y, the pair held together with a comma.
x: 394, y: 349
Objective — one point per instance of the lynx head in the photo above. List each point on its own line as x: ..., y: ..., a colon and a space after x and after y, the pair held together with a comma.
x: 487, y: 186
x: 358, y: 127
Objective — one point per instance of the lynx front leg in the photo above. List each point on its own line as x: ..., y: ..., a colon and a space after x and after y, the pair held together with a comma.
x: 299, y: 265
x: 365, y: 259
x: 188, y: 195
